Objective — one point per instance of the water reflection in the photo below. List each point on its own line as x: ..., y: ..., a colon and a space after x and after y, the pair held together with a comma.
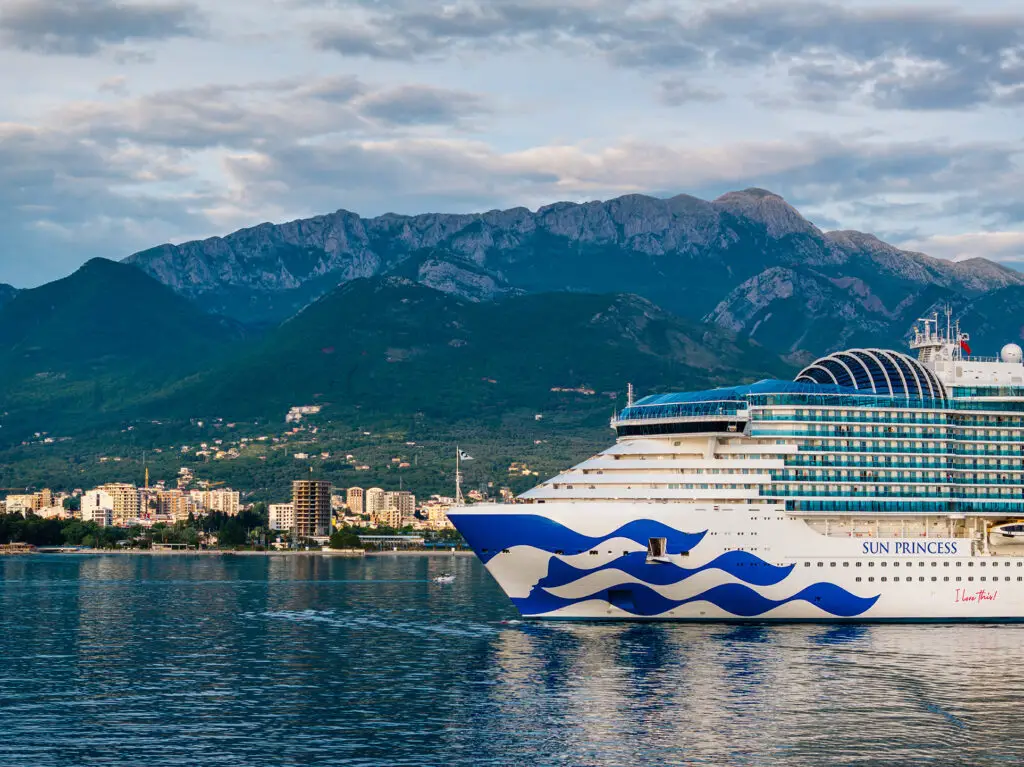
x: 309, y: 660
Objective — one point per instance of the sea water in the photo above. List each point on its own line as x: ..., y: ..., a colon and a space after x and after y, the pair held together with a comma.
x: 313, y: 660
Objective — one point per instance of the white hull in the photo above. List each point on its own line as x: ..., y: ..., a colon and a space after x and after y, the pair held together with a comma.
x: 588, y: 561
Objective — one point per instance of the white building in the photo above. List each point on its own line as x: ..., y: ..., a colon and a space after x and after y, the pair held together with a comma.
x: 296, y: 414
x: 376, y: 504
x: 53, y: 512
x: 436, y: 510
x: 354, y: 498
x: 399, y: 505
x: 226, y: 501
x: 98, y: 506
x: 125, y: 499
x: 282, y: 516
x: 20, y: 504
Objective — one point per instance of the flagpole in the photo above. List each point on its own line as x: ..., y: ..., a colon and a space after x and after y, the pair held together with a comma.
x: 458, y: 478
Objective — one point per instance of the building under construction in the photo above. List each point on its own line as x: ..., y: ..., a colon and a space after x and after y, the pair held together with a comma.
x: 311, y: 499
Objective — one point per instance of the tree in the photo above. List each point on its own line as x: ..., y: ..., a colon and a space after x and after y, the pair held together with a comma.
x: 232, y: 534
x: 345, y: 539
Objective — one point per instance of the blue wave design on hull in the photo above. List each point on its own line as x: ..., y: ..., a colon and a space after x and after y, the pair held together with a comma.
x: 735, y: 598
x: 742, y: 564
x: 495, y: 532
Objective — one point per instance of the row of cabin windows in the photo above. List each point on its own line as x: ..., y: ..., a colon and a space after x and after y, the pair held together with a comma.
x: 957, y: 579
x: 901, y: 417
x: 958, y: 563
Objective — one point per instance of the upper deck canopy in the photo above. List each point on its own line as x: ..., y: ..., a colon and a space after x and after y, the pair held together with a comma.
x: 876, y: 373
x: 879, y: 371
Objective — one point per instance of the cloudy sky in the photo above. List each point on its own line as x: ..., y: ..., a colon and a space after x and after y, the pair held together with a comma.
x: 127, y: 124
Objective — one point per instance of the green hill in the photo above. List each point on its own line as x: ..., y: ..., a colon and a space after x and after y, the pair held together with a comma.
x: 389, y: 346
x: 79, y: 350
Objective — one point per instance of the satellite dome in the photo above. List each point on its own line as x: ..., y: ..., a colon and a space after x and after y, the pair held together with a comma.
x: 1011, y: 353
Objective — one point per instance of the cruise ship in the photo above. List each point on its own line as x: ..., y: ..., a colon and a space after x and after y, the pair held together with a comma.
x: 876, y: 486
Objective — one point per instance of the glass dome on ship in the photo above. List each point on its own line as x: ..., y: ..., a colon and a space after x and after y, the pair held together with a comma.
x: 881, y: 371
x: 876, y: 486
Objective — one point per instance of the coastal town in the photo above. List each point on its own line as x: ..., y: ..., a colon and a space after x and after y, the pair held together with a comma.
x: 314, y: 515
x: 189, y: 510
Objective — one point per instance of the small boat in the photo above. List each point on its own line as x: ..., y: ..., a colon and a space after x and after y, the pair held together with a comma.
x: 445, y: 578
x: 1007, y: 534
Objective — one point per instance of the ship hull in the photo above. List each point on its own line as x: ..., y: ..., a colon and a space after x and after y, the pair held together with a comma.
x: 590, y: 561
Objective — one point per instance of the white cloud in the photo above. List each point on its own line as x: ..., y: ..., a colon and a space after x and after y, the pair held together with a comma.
x: 131, y: 123
x: 995, y: 246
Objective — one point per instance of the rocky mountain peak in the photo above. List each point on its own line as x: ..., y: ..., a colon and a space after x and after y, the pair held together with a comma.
x: 778, y: 216
x: 7, y: 292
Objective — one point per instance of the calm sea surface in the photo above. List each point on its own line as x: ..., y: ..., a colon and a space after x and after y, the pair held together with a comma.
x: 148, y: 660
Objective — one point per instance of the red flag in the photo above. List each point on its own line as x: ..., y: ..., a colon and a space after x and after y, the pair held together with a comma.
x: 965, y: 347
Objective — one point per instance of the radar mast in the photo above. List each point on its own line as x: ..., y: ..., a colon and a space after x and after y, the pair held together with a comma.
x: 933, y: 343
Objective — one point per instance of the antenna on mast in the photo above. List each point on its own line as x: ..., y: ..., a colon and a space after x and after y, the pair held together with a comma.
x: 458, y: 477
x: 629, y: 395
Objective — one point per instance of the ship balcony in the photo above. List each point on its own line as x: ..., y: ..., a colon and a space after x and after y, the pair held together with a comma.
x: 838, y: 463
x: 880, y: 433
x: 906, y: 506
x: 775, y: 492
x: 839, y: 450
x: 759, y: 417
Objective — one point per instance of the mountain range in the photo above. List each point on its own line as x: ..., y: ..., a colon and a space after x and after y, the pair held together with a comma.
x: 469, y: 316
x: 747, y: 262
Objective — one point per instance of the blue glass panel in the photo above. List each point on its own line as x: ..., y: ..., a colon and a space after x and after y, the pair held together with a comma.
x: 841, y: 373
x: 909, y: 368
x: 861, y: 376
x: 895, y: 379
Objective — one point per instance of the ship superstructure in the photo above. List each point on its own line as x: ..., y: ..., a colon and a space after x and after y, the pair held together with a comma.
x: 875, y: 486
